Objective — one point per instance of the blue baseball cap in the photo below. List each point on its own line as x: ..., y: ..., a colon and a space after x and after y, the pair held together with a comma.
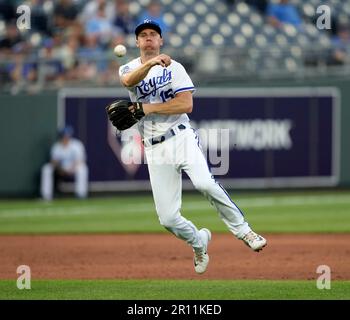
x: 66, y: 132
x: 148, y: 24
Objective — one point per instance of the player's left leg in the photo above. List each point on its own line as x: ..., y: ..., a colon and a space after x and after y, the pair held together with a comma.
x: 197, y: 169
x: 46, y: 181
x: 81, y: 181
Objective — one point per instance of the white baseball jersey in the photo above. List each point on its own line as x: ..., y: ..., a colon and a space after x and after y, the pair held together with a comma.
x: 68, y: 155
x: 160, y: 85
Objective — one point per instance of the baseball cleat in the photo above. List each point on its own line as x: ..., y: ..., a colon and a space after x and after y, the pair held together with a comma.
x: 254, y: 241
x: 201, y: 257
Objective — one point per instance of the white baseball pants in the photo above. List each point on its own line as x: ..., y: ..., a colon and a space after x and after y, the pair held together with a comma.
x: 165, y: 161
x: 47, y: 180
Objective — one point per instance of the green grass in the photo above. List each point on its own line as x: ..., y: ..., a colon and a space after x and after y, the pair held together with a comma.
x: 310, y: 211
x: 280, y: 212
x: 174, y: 290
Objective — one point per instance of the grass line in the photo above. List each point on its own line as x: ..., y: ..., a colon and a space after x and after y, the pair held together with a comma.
x: 174, y: 290
x: 265, y: 212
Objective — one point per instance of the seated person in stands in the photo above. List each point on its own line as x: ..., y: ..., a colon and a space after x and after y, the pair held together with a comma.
x: 67, y: 160
x: 11, y: 38
x: 124, y: 21
x: 283, y: 13
x: 341, y: 46
x: 65, y: 13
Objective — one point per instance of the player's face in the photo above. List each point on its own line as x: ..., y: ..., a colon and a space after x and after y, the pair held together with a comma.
x: 149, y: 40
x: 65, y: 140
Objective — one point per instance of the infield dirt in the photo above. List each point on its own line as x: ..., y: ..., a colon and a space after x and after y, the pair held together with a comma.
x: 162, y: 256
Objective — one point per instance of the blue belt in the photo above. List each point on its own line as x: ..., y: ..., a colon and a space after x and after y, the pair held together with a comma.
x: 165, y: 136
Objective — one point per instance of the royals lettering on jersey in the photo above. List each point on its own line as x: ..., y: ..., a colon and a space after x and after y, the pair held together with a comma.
x: 153, y: 84
x: 160, y: 85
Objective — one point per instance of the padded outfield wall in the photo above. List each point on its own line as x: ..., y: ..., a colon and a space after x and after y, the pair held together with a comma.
x: 311, y: 121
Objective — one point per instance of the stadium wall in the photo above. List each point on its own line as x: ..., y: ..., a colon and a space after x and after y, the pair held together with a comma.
x: 343, y: 85
x: 28, y: 127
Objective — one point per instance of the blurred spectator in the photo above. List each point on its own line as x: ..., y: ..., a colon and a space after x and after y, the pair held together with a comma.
x: 39, y: 18
x: 7, y: 10
x: 16, y: 67
x: 100, y: 26
x: 109, y: 74
x: 68, y: 54
x: 21, y: 72
x: 12, y: 38
x: 67, y: 161
x: 283, y: 13
x: 65, y: 13
x: 50, y: 67
x: 123, y: 20
x: 341, y: 46
x: 91, y: 8
x: 91, y: 63
x: 155, y: 13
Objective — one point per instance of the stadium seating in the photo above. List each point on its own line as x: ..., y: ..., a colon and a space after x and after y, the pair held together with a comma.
x: 213, y: 23
x: 237, y: 38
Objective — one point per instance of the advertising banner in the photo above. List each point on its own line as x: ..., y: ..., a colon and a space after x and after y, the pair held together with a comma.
x: 252, y: 138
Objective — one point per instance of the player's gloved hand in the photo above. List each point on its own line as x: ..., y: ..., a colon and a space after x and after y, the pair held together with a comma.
x: 124, y: 114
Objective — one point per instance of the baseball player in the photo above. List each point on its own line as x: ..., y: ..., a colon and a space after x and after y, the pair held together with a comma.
x: 67, y: 160
x: 161, y: 97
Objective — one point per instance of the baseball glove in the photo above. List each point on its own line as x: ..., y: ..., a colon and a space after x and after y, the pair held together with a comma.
x: 124, y: 114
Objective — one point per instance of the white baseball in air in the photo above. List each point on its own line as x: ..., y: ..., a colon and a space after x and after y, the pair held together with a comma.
x: 120, y: 50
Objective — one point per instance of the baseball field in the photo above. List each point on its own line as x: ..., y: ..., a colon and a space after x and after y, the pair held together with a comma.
x: 114, y: 248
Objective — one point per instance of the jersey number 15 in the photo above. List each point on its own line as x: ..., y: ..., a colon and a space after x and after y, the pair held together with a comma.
x: 167, y: 95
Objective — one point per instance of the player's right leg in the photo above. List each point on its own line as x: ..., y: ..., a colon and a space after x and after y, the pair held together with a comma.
x: 81, y: 181
x: 166, y: 185
x: 46, y: 182
x: 166, y: 182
